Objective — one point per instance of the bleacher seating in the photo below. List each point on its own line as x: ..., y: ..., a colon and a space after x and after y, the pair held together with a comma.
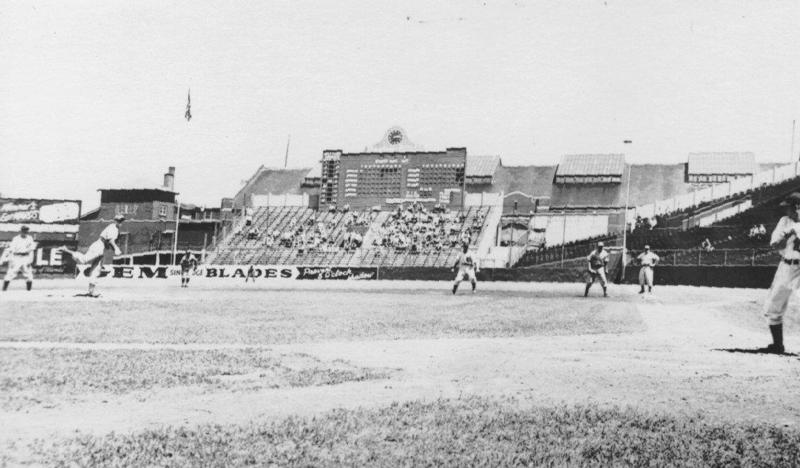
x: 413, y: 236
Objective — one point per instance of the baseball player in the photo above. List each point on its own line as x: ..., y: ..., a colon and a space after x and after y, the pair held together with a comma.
x: 95, y: 254
x: 467, y: 267
x: 188, y: 264
x: 251, y: 274
x: 648, y: 260
x: 787, y: 276
x: 598, y: 261
x: 20, y: 258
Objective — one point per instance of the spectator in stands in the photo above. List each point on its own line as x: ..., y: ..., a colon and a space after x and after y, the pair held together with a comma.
x: 707, y: 245
x: 248, y: 216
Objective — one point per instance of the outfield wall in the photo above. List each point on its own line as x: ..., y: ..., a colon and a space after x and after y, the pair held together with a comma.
x: 717, y: 276
x: 757, y: 276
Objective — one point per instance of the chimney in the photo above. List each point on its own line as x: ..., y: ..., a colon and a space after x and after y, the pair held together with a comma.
x: 169, y: 179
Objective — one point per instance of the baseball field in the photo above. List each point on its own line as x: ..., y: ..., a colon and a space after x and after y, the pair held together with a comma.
x: 328, y: 373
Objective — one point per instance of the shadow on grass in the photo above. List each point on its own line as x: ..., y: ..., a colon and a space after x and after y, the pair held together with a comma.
x: 754, y: 351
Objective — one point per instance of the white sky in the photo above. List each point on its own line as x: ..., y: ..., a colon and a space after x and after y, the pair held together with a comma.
x: 92, y: 94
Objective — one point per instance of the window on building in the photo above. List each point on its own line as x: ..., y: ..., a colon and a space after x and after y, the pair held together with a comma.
x: 162, y: 211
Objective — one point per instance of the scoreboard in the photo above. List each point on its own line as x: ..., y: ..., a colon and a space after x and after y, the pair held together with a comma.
x: 366, y: 180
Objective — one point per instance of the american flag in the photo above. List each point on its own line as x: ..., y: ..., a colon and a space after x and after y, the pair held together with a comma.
x: 188, y: 113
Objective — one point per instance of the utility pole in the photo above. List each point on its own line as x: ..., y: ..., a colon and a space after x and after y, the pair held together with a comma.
x: 625, y: 219
x: 175, y: 240
x: 286, y: 158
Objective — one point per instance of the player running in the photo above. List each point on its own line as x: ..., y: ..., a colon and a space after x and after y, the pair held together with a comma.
x: 94, y: 256
x: 188, y: 265
x: 787, y: 276
x: 467, y: 267
x: 598, y: 261
x: 20, y: 258
x: 648, y: 260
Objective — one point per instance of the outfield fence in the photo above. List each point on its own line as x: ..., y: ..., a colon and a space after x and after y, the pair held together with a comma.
x: 721, y: 257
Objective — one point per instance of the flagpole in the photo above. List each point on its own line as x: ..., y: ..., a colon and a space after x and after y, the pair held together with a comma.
x: 188, y: 116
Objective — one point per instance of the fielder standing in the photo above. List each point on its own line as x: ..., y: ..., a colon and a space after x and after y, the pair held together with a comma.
x: 467, y: 266
x: 598, y: 261
x: 20, y: 258
x: 188, y: 265
x: 94, y: 256
x: 787, y: 276
x: 648, y: 260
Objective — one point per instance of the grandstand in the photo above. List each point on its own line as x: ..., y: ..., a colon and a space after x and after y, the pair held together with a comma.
x: 413, y: 236
x: 397, y: 204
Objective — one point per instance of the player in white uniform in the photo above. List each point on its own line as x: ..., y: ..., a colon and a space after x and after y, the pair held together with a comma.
x: 787, y: 276
x: 648, y: 260
x: 20, y: 258
x: 598, y: 260
x: 188, y: 264
x: 95, y: 254
x: 467, y: 267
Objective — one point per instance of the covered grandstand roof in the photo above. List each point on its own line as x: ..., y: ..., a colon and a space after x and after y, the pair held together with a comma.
x: 482, y: 166
x: 534, y: 181
x: 271, y: 180
x: 722, y: 163
x: 649, y: 183
x: 591, y: 165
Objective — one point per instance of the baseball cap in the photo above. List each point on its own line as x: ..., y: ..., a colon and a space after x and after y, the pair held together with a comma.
x: 600, y: 244
x: 119, y: 218
x: 792, y: 199
x: 646, y: 246
x: 24, y: 229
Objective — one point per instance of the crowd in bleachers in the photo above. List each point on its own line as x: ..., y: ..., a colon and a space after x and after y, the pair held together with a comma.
x: 418, y: 229
x: 291, y: 233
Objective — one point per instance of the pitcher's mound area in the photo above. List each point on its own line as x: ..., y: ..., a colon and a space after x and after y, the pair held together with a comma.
x: 389, y: 373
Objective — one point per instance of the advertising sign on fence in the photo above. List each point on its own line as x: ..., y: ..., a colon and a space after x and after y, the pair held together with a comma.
x: 337, y: 273
x: 243, y: 273
x: 47, y: 259
x: 39, y: 215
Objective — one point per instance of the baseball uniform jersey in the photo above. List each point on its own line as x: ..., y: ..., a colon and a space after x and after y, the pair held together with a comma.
x: 20, y: 257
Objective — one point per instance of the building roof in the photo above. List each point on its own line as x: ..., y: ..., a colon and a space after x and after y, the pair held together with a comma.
x: 534, y: 181
x: 482, y: 166
x: 648, y: 183
x: 722, y: 163
x: 271, y: 180
x: 138, y: 189
x: 591, y: 165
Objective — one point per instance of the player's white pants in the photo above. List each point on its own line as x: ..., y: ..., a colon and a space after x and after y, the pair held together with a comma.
x: 468, y: 272
x: 97, y: 249
x: 786, y: 282
x: 94, y: 256
x: 599, y: 274
x: 19, y: 264
x: 646, y: 276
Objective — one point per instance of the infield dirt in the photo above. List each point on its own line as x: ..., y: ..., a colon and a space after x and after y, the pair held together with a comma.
x: 670, y: 352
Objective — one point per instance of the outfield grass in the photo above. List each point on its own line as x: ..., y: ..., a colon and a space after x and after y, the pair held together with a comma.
x: 44, y: 376
x: 470, y: 432
x: 306, y: 316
